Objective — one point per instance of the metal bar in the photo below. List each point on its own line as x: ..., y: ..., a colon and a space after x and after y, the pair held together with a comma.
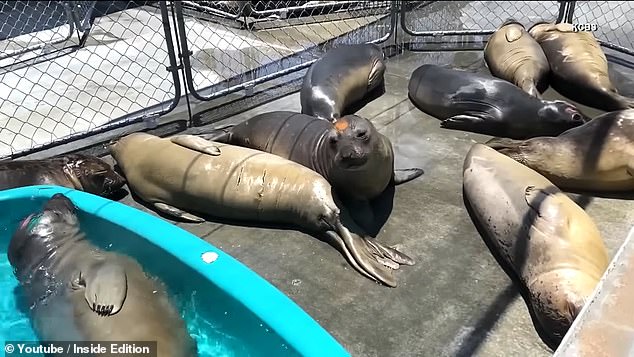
x: 71, y: 29
x: 186, y: 52
x: 196, y: 93
x: 317, y: 6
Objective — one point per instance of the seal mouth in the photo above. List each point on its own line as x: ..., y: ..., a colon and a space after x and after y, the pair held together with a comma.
x: 354, y: 162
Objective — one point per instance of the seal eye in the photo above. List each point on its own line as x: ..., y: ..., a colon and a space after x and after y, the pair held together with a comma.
x: 333, y: 139
x: 362, y: 134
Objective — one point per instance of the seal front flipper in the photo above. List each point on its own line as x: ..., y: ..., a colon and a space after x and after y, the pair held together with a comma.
x: 105, y: 287
x: 221, y: 136
x: 402, y: 176
x: 176, y: 212
x: 196, y: 143
x: 465, y: 122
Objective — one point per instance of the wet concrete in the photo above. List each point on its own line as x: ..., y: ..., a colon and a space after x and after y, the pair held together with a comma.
x: 456, y: 301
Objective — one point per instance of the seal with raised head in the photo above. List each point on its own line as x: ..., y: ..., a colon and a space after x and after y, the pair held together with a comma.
x: 339, y: 82
x: 79, y: 172
x: 351, y: 154
x: 186, y: 174
x: 579, y: 68
x: 79, y: 292
x: 550, y: 244
x: 597, y: 156
x: 512, y: 54
x: 481, y: 103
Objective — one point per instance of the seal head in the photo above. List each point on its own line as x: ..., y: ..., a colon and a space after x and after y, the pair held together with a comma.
x: 36, y: 234
x: 561, y: 114
x: 91, y: 174
x: 351, y: 142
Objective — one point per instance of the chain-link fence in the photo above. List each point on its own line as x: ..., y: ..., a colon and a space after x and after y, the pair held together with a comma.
x: 120, y: 73
x: 69, y: 68
x: 614, y: 22
x: 28, y: 27
x: 219, y: 60
x: 455, y: 18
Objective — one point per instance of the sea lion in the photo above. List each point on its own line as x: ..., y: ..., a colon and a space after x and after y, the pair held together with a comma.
x: 187, y: 172
x: 513, y: 55
x: 352, y: 155
x: 80, y: 172
x: 550, y: 243
x: 597, y: 156
x: 484, y: 104
x: 579, y: 68
x: 79, y: 292
x: 336, y: 84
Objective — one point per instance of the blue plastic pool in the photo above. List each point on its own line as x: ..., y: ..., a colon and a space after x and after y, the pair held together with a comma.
x: 229, y: 309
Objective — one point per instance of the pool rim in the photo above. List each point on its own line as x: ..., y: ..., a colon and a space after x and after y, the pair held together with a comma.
x: 287, y: 319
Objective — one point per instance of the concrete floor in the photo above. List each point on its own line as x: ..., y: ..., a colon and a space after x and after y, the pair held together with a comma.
x: 456, y: 301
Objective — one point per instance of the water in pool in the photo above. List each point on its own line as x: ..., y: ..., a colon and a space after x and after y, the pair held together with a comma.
x: 220, y: 325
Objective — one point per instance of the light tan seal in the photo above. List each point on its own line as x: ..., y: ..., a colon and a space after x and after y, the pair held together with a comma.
x: 579, y: 68
x: 550, y: 243
x: 188, y: 173
x: 597, y: 156
x: 513, y: 54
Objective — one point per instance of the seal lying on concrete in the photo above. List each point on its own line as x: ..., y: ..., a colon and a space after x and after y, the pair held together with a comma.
x: 80, y: 172
x: 484, y: 104
x: 513, y: 55
x: 597, y: 156
x: 579, y: 68
x: 341, y: 79
x: 186, y: 172
x: 78, y: 292
x: 550, y: 243
x: 352, y: 155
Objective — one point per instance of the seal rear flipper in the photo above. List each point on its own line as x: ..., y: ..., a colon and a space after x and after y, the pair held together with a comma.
x: 370, y: 258
x: 176, y: 212
x: 105, y: 287
x: 196, y: 143
x: 402, y: 176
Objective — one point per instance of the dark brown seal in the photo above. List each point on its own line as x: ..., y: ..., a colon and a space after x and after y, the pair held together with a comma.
x: 80, y: 172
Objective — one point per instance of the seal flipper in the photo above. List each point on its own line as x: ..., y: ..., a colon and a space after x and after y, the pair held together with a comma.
x: 196, y: 143
x: 402, y: 176
x: 105, y: 287
x: 371, y: 259
x: 221, y: 136
x: 177, y: 212
x: 465, y: 122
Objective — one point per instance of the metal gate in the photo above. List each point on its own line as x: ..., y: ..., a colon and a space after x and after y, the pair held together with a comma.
x: 222, y: 61
x: 125, y: 71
